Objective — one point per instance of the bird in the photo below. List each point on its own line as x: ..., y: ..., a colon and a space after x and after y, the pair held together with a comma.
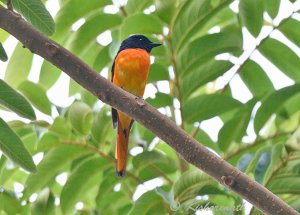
x: 129, y: 71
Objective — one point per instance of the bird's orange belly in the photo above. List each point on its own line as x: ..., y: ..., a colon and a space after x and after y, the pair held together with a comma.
x: 131, y: 70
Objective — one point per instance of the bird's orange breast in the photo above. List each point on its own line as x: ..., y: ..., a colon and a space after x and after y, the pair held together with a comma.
x: 131, y: 70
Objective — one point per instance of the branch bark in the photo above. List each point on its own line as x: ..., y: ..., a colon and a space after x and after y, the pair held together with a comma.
x: 192, y: 151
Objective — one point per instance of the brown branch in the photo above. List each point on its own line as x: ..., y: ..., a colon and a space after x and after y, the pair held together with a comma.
x: 192, y: 151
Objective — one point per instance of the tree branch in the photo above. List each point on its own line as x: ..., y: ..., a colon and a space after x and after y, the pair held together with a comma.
x: 162, y: 126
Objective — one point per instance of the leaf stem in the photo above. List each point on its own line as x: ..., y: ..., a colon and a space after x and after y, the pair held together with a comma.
x: 240, y: 67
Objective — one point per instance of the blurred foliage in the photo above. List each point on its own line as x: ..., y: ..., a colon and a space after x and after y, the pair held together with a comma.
x: 204, y: 44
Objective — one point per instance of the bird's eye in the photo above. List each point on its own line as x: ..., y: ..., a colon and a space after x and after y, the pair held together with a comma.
x: 141, y: 39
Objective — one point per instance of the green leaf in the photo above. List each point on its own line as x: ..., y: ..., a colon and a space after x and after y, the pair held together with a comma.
x: 191, y: 18
x: 37, y: 95
x: 251, y: 13
x: 150, y: 163
x: 213, y: 44
x: 102, y: 59
x: 272, y: 104
x: 82, y: 180
x: 193, y: 183
x: 102, y: 126
x: 262, y: 166
x: 289, y: 29
x: 256, y: 79
x: 88, y: 98
x: 49, y: 74
x: 48, y: 141
x: 205, y: 73
x: 272, y: 7
x: 18, y: 67
x: 284, y: 180
x: 36, y: 13
x: 157, y: 72
x: 278, y: 157
x: 148, y: 203
x: 14, y: 101
x: 135, y: 6
x: 12, y: 147
x: 44, y: 203
x: 234, y: 129
x: 207, y: 106
x: 53, y: 162
x: 165, y: 9
x: 71, y: 11
x: 160, y: 100
x: 87, y: 33
x: 140, y: 24
x: 244, y: 162
x: 9, y: 202
x: 3, y: 35
x: 273, y: 50
x: 61, y: 127
x: 3, y: 55
x: 81, y: 117
x: 74, y: 87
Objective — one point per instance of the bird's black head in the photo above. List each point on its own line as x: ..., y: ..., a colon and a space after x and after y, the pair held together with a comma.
x: 138, y: 41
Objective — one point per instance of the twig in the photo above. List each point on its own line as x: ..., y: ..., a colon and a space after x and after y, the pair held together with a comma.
x: 191, y: 150
x: 9, y: 5
x: 102, y: 154
x: 254, y: 144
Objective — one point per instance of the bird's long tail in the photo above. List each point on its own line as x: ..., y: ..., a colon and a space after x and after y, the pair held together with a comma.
x: 122, y: 148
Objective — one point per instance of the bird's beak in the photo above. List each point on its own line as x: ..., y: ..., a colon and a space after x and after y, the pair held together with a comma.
x: 155, y: 44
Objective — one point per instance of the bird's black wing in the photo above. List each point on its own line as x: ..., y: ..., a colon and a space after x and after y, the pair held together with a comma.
x: 114, y: 113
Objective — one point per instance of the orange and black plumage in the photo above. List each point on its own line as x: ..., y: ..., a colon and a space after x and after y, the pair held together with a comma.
x: 130, y: 72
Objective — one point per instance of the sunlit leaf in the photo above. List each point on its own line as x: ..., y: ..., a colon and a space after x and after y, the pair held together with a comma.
x: 81, y: 117
x: 213, y: 44
x: 71, y: 12
x: 204, y: 73
x: 36, y: 13
x: 272, y: 104
x: 160, y: 100
x: 207, y: 106
x: 88, y: 33
x: 12, y: 147
x: 157, y: 73
x: 44, y: 203
x: 54, y: 162
x: 3, y: 55
x: 135, y: 6
x: 148, y: 203
x: 192, y: 184
x: 165, y: 9
x: 190, y: 18
x: 84, y: 177
x: 289, y: 28
x: 140, y: 24
x: 14, y: 101
x: 256, y: 79
x: 251, y: 13
x: 18, y: 66
x: 273, y: 50
x: 9, y: 202
x: 36, y: 95
x: 49, y: 74
x: 272, y: 7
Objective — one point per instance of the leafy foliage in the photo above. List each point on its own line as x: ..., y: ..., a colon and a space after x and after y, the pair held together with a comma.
x: 203, y: 45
